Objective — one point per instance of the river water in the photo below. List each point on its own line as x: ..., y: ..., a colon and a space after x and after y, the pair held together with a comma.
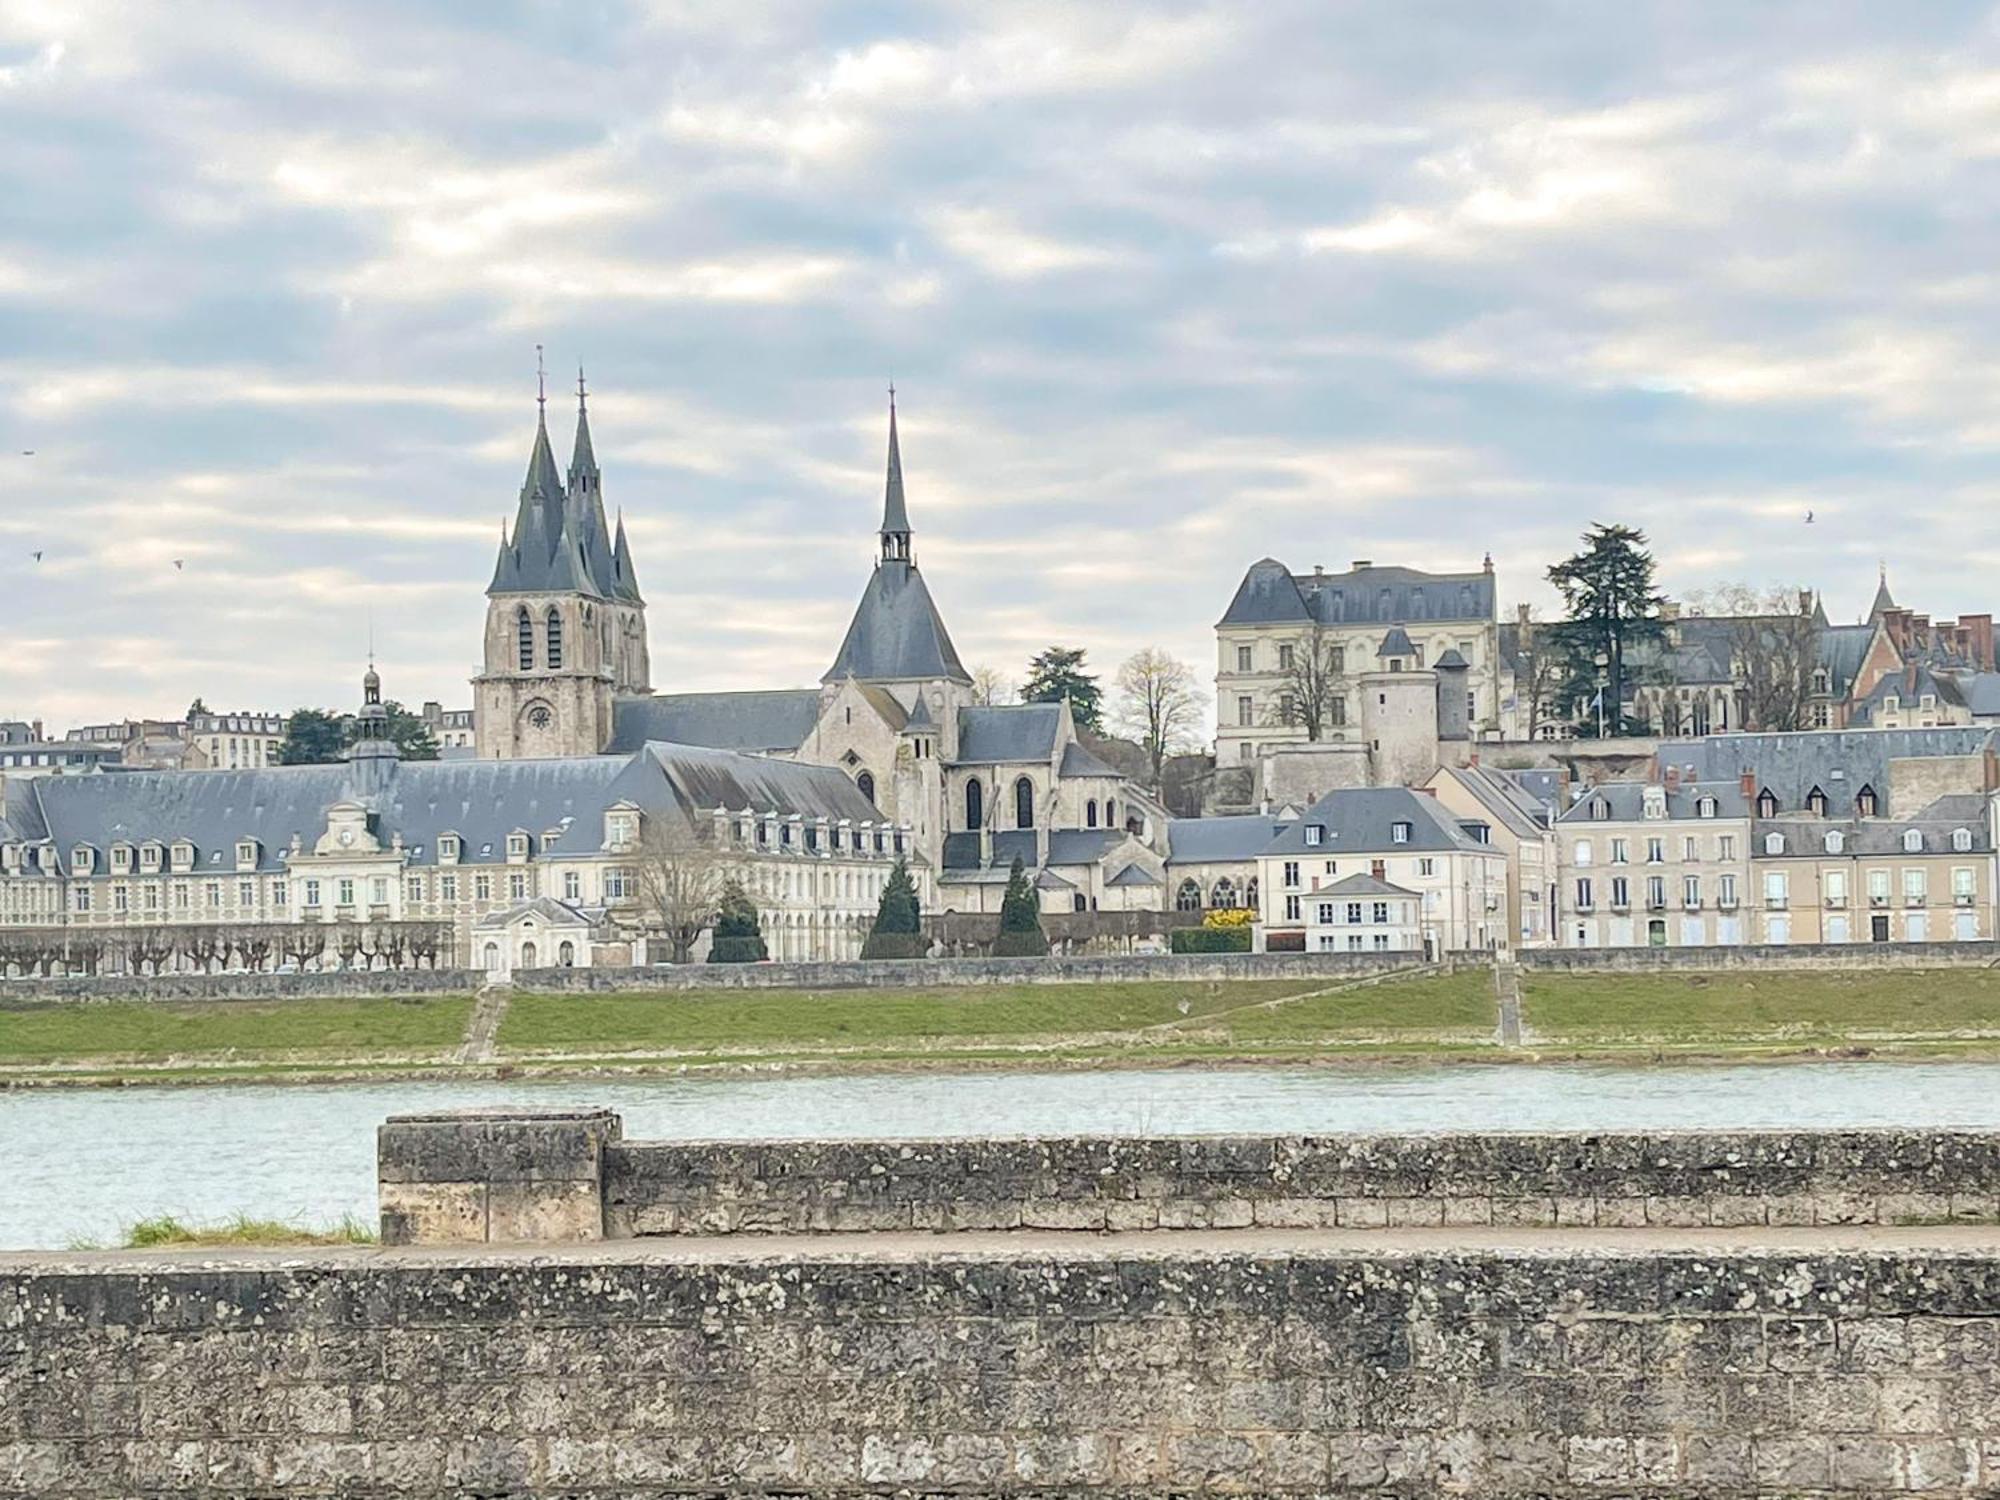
x: 78, y: 1165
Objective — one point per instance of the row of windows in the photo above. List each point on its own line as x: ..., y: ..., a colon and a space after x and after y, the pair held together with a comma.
x: 1834, y: 890
x: 1024, y: 806
x: 1583, y: 852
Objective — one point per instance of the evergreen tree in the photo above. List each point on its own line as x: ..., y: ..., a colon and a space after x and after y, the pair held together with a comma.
x: 197, y: 708
x: 412, y: 735
x: 313, y: 737
x: 738, y: 939
x: 1057, y: 674
x: 1613, y: 607
x: 1020, y: 919
x: 898, y: 930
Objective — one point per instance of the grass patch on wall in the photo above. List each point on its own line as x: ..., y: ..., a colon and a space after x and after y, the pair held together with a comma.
x: 141, y: 1031
x: 168, y: 1232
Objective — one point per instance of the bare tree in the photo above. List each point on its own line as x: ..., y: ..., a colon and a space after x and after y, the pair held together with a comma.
x: 1773, y: 646
x: 1539, y: 677
x: 1158, y: 704
x: 680, y: 875
x: 991, y: 686
x: 1315, y: 677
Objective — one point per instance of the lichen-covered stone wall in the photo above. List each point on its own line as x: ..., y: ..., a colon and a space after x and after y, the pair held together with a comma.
x: 1170, y: 1368
x: 1675, y: 1178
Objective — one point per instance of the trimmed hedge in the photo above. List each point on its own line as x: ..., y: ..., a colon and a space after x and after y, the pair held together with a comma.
x: 1210, y: 940
x: 896, y: 945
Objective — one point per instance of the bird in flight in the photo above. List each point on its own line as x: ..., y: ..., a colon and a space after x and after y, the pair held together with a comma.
x: 178, y: 562
x: 38, y: 557
x: 27, y: 453
x: 1809, y: 518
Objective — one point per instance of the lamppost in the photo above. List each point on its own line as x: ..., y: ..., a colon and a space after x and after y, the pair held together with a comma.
x: 1603, y: 664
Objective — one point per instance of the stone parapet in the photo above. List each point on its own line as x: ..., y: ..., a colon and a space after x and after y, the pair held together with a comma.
x: 1164, y: 1367
x: 493, y: 1176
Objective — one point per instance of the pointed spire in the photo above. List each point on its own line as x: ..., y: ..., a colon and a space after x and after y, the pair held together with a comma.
x: 583, y: 458
x: 1884, y: 601
x: 895, y: 513
x: 621, y: 556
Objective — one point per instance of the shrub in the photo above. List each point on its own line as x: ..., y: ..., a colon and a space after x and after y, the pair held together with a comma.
x: 1207, y: 939
x: 737, y: 939
x: 1229, y: 916
x: 898, y: 929
x: 1021, y: 933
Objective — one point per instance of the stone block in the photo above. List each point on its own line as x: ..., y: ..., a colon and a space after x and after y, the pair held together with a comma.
x: 433, y: 1213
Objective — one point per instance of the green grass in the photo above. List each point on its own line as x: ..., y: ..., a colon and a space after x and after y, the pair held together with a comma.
x: 1816, y: 1008
x: 166, y: 1232
x: 327, y: 1028
x: 884, y: 1021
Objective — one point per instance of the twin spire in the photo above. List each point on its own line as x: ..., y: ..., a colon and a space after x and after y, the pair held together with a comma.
x: 560, y: 542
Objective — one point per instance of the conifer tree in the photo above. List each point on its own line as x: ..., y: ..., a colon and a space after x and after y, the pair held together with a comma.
x: 898, y: 930
x: 1021, y: 933
x: 737, y: 939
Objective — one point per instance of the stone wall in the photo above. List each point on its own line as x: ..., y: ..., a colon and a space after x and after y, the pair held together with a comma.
x: 351, y: 984
x: 437, y: 1169
x: 932, y: 973
x: 1162, y: 1367
x: 1774, y: 956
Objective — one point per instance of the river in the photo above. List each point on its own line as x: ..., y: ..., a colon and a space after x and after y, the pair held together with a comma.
x: 77, y: 1165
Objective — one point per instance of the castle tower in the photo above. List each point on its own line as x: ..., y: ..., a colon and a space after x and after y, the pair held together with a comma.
x: 374, y: 755
x: 565, y: 623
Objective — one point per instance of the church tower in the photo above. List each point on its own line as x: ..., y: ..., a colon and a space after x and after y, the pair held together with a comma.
x: 565, y: 624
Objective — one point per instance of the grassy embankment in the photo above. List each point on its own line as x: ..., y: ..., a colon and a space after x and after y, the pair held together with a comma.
x: 1938, y: 1012
x: 166, y: 1232
x: 1742, y: 1015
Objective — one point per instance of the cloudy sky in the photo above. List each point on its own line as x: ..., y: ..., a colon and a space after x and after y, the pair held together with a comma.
x: 1164, y: 288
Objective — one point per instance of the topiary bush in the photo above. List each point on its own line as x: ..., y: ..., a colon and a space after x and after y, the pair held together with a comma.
x: 1021, y: 934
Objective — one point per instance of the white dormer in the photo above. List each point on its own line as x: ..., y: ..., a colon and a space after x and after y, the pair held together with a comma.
x: 183, y: 855
x: 1653, y: 802
x: 1961, y: 839
x: 1836, y: 841
x: 150, y: 854
x: 621, y: 828
x: 248, y: 851
x: 121, y: 858
x: 1704, y: 807
x: 1913, y: 841
x: 1774, y: 843
x: 81, y: 859
x: 517, y: 846
x: 448, y: 847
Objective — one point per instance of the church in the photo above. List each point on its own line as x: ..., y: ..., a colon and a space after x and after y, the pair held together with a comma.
x: 566, y: 673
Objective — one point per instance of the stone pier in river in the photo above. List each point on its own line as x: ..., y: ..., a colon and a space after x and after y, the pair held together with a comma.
x: 558, y: 1311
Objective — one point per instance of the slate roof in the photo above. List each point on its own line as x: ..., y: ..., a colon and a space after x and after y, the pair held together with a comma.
x: 1078, y: 761
x: 1271, y: 594
x: 771, y: 719
x: 1981, y: 691
x: 1505, y: 798
x: 1908, y: 687
x: 1791, y: 765
x: 1357, y: 820
x: 1396, y: 642
x: 558, y: 543
x: 481, y: 801
x: 1879, y: 836
x: 1008, y: 732
x: 1361, y: 885
x: 1884, y: 601
x: 1198, y: 841
x: 1544, y: 785
x: 897, y: 634
x: 1131, y: 876
x: 895, y: 512
x: 1627, y: 801
x: 1842, y: 649
x: 548, y: 908
x: 1067, y: 846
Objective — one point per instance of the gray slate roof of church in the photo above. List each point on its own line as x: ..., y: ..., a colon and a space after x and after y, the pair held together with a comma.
x: 1067, y: 846
x: 1008, y: 732
x: 773, y: 719
x: 897, y: 634
x: 1077, y: 760
x: 1195, y: 841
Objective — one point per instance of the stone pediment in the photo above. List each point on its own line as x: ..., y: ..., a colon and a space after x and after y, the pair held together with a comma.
x: 347, y: 832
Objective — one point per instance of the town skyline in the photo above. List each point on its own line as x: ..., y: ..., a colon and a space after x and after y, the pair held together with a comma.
x: 276, y: 367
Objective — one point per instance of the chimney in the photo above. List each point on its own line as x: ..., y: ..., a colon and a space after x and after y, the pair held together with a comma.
x: 1488, y: 564
x: 1521, y: 615
x: 1672, y: 778
x: 36, y: 727
x: 1318, y: 571
x: 1362, y: 564
x: 1748, y: 784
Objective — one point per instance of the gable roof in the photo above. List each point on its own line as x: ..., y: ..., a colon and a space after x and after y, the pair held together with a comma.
x: 1008, y: 732
x: 1791, y: 765
x: 896, y: 634
x: 1363, y: 885
x: 1077, y: 760
x: 1626, y: 801
x: 771, y: 719
x: 1194, y: 841
x: 1359, y: 820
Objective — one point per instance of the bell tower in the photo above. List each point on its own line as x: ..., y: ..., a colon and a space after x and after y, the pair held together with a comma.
x: 565, y: 623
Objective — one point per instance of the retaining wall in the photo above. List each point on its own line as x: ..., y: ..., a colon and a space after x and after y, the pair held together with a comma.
x: 1166, y: 1368
x: 1979, y: 955
x: 21, y: 994
x: 480, y: 1176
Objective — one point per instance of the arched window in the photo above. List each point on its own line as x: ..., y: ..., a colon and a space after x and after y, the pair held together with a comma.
x: 1077, y: 903
x: 975, y: 805
x: 865, y: 782
x: 524, y: 633
x: 1110, y: 813
x: 566, y: 954
x: 1188, y: 898
x: 1024, y: 803
x: 1090, y: 813
x: 492, y: 958
x: 1250, y: 894
x: 527, y: 955
x: 1224, y: 896
x: 553, y: 632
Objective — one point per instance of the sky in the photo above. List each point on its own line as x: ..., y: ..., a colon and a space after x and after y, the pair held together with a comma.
x: 1163, y: 289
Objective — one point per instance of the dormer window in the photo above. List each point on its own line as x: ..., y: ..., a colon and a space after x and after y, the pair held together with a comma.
x: 1836, y: 842
x: 1821, y: 682
x: 246, y: 852
x: 1913, y: 841
x: 1864, y: 802
x: 80, y: 858
x: 1774, y: 843
x: 1315, y: 833
x: 149, y: 857
x: 1600, y: 810
x: 448, y: 847
x: 183, y: 855
x: 1399, y: 833
x: 1704, y: 807
x: 1767, y: 803
x: 121, y: 858
x: 1961, y: 840
x: 517, y: 846
x: 1816, y: 802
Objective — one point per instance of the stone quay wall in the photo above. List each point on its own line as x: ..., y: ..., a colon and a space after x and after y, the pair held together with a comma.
x: 1774, y: 956
x: 1170, y: 1368
x: 486, y: 1177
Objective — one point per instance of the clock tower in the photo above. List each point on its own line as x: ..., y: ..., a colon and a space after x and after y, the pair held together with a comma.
x: 565, y: 624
